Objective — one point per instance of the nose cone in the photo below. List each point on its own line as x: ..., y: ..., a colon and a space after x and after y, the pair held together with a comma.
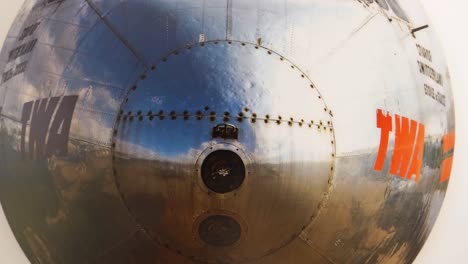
x: 224, y: 152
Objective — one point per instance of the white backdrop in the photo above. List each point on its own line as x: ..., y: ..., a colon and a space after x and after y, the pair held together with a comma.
x: 448, y: 240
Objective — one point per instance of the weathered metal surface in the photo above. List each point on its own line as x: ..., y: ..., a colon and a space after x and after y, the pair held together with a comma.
x: 199, y: 131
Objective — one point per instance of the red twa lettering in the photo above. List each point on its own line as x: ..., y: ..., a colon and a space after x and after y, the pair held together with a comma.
x: 448, y: 145
x: 384, y: 122
x: 405, y: 134
x: 408, y: 151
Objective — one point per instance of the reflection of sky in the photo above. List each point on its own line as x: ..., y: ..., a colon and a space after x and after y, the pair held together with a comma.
x: 101, y: 67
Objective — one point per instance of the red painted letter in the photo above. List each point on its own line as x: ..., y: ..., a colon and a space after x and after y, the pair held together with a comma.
x: 404, y: 142
x: 384, y: 122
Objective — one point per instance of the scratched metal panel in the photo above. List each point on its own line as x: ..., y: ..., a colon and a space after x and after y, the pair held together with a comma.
x: 107, y: 118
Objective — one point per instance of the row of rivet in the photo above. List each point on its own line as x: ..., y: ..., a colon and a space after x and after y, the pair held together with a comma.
x: 226, y: 117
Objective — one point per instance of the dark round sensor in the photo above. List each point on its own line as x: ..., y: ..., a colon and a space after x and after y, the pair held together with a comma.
x: 223, y: 171
x: 219, y: 231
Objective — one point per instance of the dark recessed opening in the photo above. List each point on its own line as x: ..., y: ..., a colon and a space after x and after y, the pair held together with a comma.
x: 219, y: 231
x: 223, y: 171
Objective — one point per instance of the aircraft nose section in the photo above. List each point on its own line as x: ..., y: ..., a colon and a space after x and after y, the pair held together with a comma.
x: 224, y: 151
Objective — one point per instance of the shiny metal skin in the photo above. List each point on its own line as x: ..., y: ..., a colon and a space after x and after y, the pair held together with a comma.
x: 234, y: 131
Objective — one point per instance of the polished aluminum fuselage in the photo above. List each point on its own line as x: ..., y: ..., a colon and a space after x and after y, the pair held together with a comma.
x: 122, y: 121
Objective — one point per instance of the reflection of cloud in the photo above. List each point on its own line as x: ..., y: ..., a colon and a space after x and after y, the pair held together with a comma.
x: 87, y: 127
x: 125, y: 149
x: 99, y: 98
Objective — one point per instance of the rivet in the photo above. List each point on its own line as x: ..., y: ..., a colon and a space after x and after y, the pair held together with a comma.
x: 267, y: 116
x: 329, y: 122
x: 129, y: 113
x: 151, y: 117
x: 199, y: 115
x: 332, y: 142
x: 331, y: 129
x: 143, y: 77
x: 254, y: 115
x: 320, y: 97
x: 212, y: 118
x: 216, y: 42
x: 164, y: 59
x: 115, y: 132
x: 292, y: 66
x: 325, y: 109
x: 161, y: 112
x: 226, y: 113
x: 253, y: 120
x: 140, y: 118
x: 213, y: 113
x: 202, y: 44
x: 134, y: 87
x: 207, y: 108
x: 279, y: 117
x: 310, y: 125
x: 131, y: 118
x: 302, y: 75
x: 246, y: 109
x: 176, y: 53
x: 292, y: 119
x: 239, y: 119
x: 256, y: 47
x: 312, y: 86
x: 281, y: 58
x: 312, y: 121
x: 139, y: 113
x: 125, y: 118
x: 150, y: 113
x: 243, y: 44
x: 229, y: 42
x: 266, y: 121
x: 321, y: 123
x: 278, y: 122
x: 333, y: 155
x: 269, y: 52
x: 153, y: 68
x: 332, y: 168
x: 240, y: 114
x: 290, y: 123
x: 161, y: 117
x: 226, y: 119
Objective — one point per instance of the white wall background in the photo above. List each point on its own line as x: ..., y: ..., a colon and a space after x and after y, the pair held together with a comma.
x: 448, y: 240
